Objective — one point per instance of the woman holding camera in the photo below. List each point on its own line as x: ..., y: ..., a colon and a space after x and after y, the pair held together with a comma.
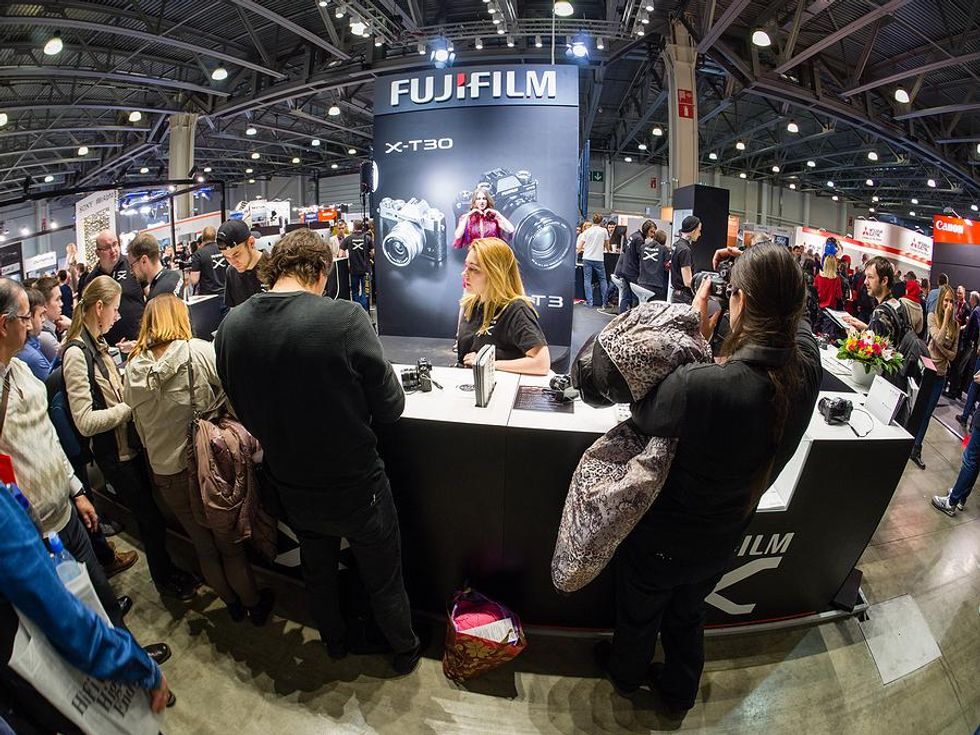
x: 495, y: 310
x: 766, y: 384
x: 481, y: 221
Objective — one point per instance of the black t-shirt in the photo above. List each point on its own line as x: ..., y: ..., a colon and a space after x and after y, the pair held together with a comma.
x: 359, y: 247
x: 681, y: 258
x: 628, y: 264
x: 130, y: 305
x: 211, y: 264
x: 166, y: 281
x: 514, y: 332
x: 653, y: 265
x: 240, y: 286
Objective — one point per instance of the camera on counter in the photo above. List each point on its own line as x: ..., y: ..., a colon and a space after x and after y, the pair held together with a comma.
x: 411, y: 229
x: 541, y: 238
x: 418, y: 378
x: 835, y: 411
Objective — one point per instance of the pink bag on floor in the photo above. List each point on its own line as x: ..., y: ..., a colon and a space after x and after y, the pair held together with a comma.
x: 480, y: 635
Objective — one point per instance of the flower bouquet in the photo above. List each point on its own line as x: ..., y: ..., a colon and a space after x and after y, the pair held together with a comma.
x: 869, y: 354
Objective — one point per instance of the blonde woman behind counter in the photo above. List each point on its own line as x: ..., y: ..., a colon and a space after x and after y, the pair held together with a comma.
x: 495, y: 310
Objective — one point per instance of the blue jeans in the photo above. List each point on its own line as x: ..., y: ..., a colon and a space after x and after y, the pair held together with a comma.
x: 968, y: 471
x: 627, y: 298
x: 971, y: 395
x: 932, y: 401
x: 600, y: 268
x: 357, y: 292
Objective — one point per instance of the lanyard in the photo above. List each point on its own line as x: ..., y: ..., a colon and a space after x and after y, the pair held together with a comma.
x: 6, y: 399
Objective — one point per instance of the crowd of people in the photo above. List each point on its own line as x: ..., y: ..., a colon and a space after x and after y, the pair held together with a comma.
x: 72, y: 399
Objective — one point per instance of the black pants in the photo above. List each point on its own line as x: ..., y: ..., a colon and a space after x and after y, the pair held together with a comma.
x: 375, y: 540
x: 660, y: 598
x: 131, y: 480
x: 76, y: 540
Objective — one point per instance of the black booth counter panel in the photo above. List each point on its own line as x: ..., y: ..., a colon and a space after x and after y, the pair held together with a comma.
x: 481, y: 491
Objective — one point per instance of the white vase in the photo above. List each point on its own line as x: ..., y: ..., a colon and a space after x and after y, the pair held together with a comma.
x: 863, y: 374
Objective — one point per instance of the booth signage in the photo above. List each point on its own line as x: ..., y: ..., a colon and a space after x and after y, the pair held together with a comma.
x: 871, y: 238
x: 11, y: 263
x: 512, y: 130
x: 955, y: 230
x: 597, y: 176
x: 40, y: 263
x: 93, y: 214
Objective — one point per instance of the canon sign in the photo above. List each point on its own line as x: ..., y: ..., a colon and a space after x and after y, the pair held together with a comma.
x: 945, y: 226
x: 511, y: 84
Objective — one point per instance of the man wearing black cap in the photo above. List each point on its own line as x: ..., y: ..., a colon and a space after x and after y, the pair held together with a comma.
x: 681, y: 263
x: 237, y: 244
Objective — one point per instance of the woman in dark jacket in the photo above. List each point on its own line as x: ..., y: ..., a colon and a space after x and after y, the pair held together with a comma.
x: 766, y: 385
x: 628, y: 266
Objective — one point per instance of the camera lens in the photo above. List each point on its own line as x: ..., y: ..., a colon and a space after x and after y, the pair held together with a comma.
x: 541, y: 237
x: 402, y: 244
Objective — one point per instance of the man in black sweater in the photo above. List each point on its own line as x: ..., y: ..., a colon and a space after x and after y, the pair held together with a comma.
x: 208, y: 265
x: 146, y: 264
x: 237, y: 245
x: 324, y: 462
x: 111, y: 263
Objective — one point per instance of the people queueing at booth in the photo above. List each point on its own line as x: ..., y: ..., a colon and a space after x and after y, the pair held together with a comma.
x: 135, y: 427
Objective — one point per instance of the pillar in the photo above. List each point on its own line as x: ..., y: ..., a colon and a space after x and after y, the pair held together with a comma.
x: 806, y: 209
x: 679, y: 60
x: 42, y: 220
x: 182, y: 128
x: 764, y: 203
x: 716, y: 177
x: 607, y: 190
x: 841, y: 219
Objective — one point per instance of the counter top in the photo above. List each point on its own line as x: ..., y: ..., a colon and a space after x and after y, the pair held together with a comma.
x: 456, y: 405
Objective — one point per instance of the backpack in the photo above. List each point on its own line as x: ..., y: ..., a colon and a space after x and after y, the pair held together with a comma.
x: 909, y: 344
x: 76, y: 446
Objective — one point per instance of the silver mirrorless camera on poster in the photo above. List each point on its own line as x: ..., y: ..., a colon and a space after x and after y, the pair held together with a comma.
x: 541, y: 238
x: 411, y: 229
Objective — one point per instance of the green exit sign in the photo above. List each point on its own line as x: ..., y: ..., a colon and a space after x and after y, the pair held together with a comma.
x: 596, y: 176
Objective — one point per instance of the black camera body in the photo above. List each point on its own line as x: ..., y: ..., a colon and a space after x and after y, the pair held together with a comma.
x: 418, y: 378
x: 718, y: 290
x: 411, y: 229
x: 541, y: 238
x: 835, y: 411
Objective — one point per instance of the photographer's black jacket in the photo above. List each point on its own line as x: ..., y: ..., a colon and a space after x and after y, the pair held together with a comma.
x: 722, y: 416
x: 307, y: 377
x: 628, y: 264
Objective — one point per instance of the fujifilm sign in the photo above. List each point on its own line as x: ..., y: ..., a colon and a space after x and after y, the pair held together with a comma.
x: 517, y: 84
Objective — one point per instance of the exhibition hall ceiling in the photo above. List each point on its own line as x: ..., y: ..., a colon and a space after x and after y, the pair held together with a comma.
x: 876, y: 97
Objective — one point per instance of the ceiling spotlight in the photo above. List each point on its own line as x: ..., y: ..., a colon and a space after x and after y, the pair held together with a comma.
x: 250, y: 130
x: 322, y: 3
x: 830, y: 184
x: 171, y: 188
x: 144, y: 170
x: 52, y: 225
x: 578, y: 47
x: 492, y: 9
x: 713, y: 156
x: 250, y: 170
x: 639, y: 30
x: 219, y: 74
x: 563, y: 8
x: 872, y: 156
x: 500, y: 29
x: 442, y: 54
x: 496, y: 22
x: 54, y: 45
x: 352, y: 151
x: 914, y: 200
x: 537, y: 42
x: 251, y: 181
x: 200, y: 179
x: 739, y: 145
x: 295, y: 159
x: 339, y: 12
x: 48, y: 179
x: 315, y: 142
x: 775, y: 169
x: 978, y: 144
x: 793, y: 187
x: 911, y: 213
x: 743, y: 175
x: 135, y: 116
x: 479, y: 44
x: 599, y: 43
x: 975, y: 208
x: 792, y: 127
x: 648, y: 7
x: 3, y: 119
x: 874, y: 199
x: 931, y: 183
x: 24, y: 231
x: 657, y: 131
x: 835, y: 198
x: 334, y: 166
x: 357, y: 27
x: 628, y: 159
x: 510, y: 41
x: 642, y: 146
x: 379, y: 41
x: 83, y: 150
x: 255, y: 156
x: 871, y: 210
x: 869, y: 182
x: 333, y: 111
x: 643, y: 17
x: 207, y: 169
x: 902, y: 96
x: 421, y: 49
x: 761, y: 39
x: 811, y: 164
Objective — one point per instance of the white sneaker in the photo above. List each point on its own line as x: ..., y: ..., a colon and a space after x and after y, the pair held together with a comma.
x: 941, y: 502
x: 961, y: 505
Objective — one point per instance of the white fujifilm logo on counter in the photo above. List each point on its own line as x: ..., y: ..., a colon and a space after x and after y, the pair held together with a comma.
x: 496, y: 84
x: 772, y: 548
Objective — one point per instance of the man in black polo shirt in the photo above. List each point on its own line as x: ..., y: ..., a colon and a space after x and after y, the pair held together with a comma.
x: 208, y: 266
x: 123, y: 334
x: 144, y: 260
x: 682, y: 262
x: 360, y: 253
x: 238, y: 246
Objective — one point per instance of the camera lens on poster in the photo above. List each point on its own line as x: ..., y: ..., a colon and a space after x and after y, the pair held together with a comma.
x: 411, y: 229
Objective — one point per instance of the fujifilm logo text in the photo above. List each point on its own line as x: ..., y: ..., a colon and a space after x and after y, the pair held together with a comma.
x: 530, y: 84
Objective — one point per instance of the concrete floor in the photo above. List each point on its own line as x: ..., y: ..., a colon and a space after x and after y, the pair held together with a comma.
x: 234, y: 678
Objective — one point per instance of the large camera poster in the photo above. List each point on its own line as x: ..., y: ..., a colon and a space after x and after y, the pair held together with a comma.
x: 439, y: 136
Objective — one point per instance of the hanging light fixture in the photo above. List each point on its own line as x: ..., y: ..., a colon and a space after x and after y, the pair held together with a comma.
x: 333, y: 111
x: 761, y: 39
x: 792, y: 127
x: 974, y: 207
x: 315, y: 142
x: 219, y: 74
x: 775, y: 169
x: 914, y: 200
x: 600, y: 44
x: 357, y: 27
x: 793, y: 187
x: 931, y: 183
x: 250, y: 170
x: 869, y: 182
x: 255, y: 156
x: 251, y: 181
x: 835, y: 198
x: 339, y: 12
x: 872, y: 156
x: 628, y: 159
x: 642, y: 146
x: 144, y: 170
x: 207, y: 169
x: 3, y: 119
x: 83, y: 150
x: 135, y: 116
x: 351, y: 151
x: 874, y: 199
x: 510, y: 41
x: 811, y: 164
x: 537, y: 41
x: 739, y: 145
x: 478, y: 44
x: 657, y: 131
x: 54, y: 45
x: 563, y: 8
x: 712, y: 156
x: 334, y: 166
x: 250, y: 130
x: 743, y: 175
x: 48, y: 179
x: 295, y: 159
x: 902, y: 96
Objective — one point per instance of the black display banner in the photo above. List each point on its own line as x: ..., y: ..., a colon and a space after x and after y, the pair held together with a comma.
x: 12, y: 261
x: 440, y: 134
